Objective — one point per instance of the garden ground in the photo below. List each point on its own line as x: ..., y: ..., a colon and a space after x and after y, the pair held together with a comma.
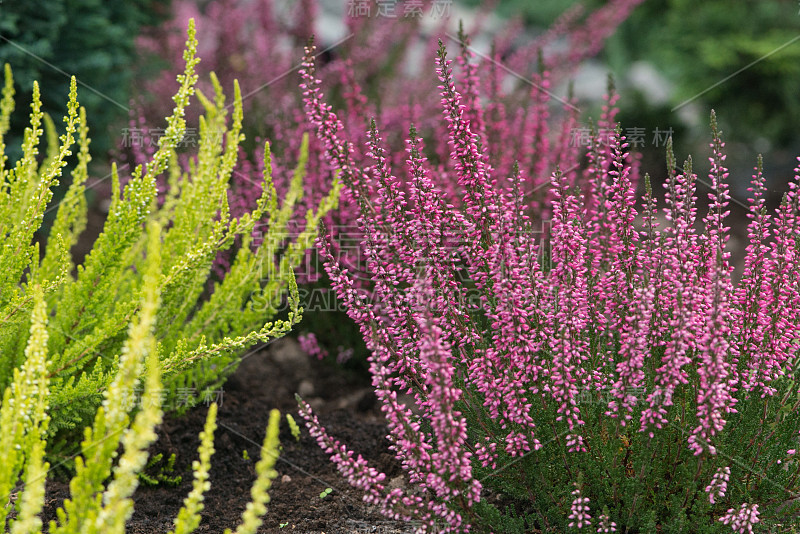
x: 268, y: 378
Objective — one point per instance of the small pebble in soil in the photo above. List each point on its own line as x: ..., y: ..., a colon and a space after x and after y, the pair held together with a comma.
x: 305, y: 388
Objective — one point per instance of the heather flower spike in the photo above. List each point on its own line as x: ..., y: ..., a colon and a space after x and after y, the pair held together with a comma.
x: 579, y: 512
x: 719, y: 484
x: 717, y: 371
x: 742, y: 520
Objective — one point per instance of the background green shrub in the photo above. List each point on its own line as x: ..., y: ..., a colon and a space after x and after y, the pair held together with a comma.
x: 51, y: 40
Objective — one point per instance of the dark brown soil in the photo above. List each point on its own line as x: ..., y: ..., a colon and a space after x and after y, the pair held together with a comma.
x: 266, y: 379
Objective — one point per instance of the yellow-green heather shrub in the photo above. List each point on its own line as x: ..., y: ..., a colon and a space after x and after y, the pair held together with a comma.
x: 198, y: 333
x: 102, y: 487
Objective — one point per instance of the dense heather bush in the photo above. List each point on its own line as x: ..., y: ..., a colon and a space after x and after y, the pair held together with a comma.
x: 101, y: 490
x: 135, y: 298
x: 602, y: 372
x: 201, y: 330
x: 390, y: 86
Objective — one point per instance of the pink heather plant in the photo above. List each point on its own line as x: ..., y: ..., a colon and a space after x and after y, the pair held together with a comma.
x: 257, y: 43
x: 603, y: 351
x: 719, y: 484
x: 310, y: 345
x: 605, y: 524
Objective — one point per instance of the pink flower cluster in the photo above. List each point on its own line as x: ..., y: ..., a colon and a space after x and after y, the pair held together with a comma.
x: 719, y: 484
x: 579, y: 511
x: 743, y: 519
x: 605, y: 524
x: 310, y: 345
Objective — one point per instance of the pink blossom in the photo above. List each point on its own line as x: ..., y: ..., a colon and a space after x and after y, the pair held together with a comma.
x: 719, y: 484
x: 579, y: 511
x: 605, y: 524
x: 310, y: 345
x: 741, y: 521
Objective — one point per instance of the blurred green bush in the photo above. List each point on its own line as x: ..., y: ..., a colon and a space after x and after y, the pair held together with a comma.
x: 740, y: 58
x: 50, y: 40
x: 697, y: 45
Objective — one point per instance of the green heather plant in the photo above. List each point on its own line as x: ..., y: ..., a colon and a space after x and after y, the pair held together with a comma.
x: 200, y: 328
x: 161, y: 475
x: 293, y: 427
x: 101, y: 490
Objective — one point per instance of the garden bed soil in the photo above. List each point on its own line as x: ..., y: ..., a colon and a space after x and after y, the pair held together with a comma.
x: 269, y: 378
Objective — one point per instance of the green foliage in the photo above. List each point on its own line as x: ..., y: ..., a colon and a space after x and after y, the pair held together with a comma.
x: 160, y: 477
x: 265, y: 474
x: 648, y: 484
x: 653, y: 485
x: 48, y: 40
x: 200, y: 329
x: 293, y: 427
x: 101, y: 490
x: 699, y: 45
